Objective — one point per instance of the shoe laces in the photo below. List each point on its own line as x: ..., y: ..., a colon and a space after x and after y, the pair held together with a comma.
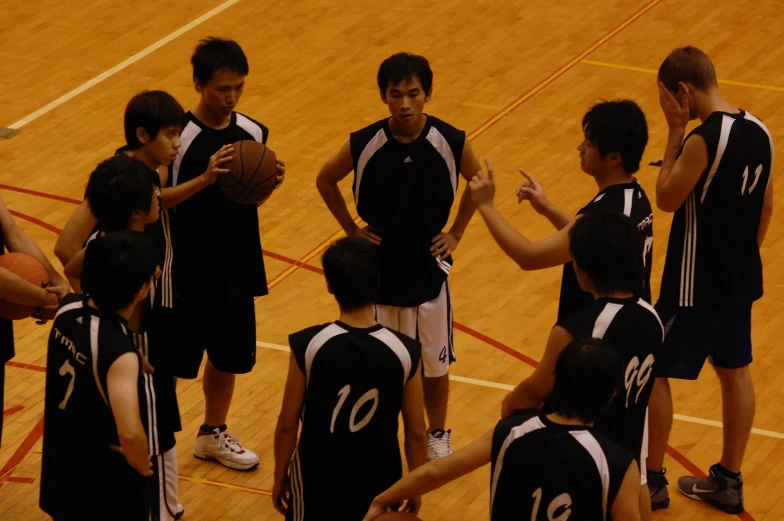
x: 441, y: 446
x: 229, y: 441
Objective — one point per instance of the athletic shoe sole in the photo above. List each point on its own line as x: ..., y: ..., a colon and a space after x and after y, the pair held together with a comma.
x: 660, y: 505
x: 729, y: 509
x: 228, y: 464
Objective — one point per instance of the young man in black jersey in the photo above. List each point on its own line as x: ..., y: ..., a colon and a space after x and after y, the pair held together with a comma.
x: 153, y: 122
x: 406, y: 172
x: 615, y: 137
x: 123, y: 195
x: 353, y: 377
x: 605, y: 248
x: 94, y: 382
x: 717, y: 181
x: 547, y: 467
x: 17, y: 289
x: 214, y: 288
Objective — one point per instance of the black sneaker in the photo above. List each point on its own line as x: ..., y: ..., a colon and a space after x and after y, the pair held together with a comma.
x: 717, y: 489
x: 657, y: 486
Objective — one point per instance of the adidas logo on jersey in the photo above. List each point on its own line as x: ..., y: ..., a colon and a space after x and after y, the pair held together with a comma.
x: 408, y: 160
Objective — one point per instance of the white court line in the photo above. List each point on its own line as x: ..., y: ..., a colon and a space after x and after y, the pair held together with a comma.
x: 122, y: 65
x: 507, y: 387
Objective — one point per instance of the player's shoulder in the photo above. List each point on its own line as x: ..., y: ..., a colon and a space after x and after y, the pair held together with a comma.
x: 410, y: 343
x: 522, y: 422
x: 302, y: 338
x: 583, y: 320
x: 71, y: 303
x: 617, y: 456
x: 648, y: 316
x: 368, y: 132
x: 255, y: 130
x: 453, y: 135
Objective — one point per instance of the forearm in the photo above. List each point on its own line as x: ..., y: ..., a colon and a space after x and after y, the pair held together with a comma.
x: 337, y: 205
x: 174, y: 195
x: 465, y: 211
x: 420, y: 481
x: 671, y: 151
x: 524, y: 396
x: 134, y: 446
x: 416, y: 449
x: 24, y: 244
x: 15, y: 289
x: 285, y: 444
x: 517, y: 247
x: 556, y: 216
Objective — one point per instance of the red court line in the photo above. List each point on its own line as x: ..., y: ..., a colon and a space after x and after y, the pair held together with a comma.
x: 12, y: 410
x: 31, y: 367
x: 33, y: 220
x: 40, y: 194
x: 12, y: 479
x: 25, y: 447
x: 273, y: 255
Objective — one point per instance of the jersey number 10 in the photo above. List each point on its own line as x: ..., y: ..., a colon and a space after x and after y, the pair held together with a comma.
x: 353, y: 425
x: 564, y: 501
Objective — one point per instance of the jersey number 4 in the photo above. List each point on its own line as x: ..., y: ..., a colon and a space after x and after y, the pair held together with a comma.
x: 353, y: 425
x: 67, y: 369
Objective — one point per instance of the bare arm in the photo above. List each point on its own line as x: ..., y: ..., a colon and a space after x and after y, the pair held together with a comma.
x: 75, y: 233
x: 121, y: 383
x: 174, y: 195
x: 73, y: 271
x: 435, y: 474
x: 286, y: 432
x: 415, y: 429
x: 767, y: 212
x: 626, y: 506
x: 535, y: 389
x: 335, y: 170
x: 533, y: 192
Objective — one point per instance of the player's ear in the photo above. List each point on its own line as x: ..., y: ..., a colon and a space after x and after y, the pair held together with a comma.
x: 197, y: 85
x: 142, y: 136
x: 429, y: 94
x: 615, y: 158
x: 384, y: 97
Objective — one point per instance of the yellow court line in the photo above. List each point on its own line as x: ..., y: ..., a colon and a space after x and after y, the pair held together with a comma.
x: 229, y: 486
x: 560, y: 72
x: 653, y: 71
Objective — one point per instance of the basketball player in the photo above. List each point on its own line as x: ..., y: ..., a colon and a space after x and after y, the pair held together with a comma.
x: 94, y: 388
x: 353, y: 377
x: 123, y: 195
x: 717, y: 181
x: 605, y: 248
x: 218, y: 268
x: 547, y: 467
x: 615, y: 137
x: 405, y: 181
x: 14, y: 288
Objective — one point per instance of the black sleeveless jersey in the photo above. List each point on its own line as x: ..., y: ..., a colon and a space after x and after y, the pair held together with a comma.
x: 6, y: 326
x: 633, y: 328
x: 713, y: 259
x: 83, y: 345
x: 630, y: 200
x: 354, y: 395
x: 544, y: 471
x: 216, y: 241
x: 405, y: 191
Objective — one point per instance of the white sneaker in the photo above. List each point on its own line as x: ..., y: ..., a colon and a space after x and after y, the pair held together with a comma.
x: 225, y: 449
x: 439, y: 444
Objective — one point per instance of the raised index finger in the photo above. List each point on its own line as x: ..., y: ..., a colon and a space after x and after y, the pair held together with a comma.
x: 528, y: 176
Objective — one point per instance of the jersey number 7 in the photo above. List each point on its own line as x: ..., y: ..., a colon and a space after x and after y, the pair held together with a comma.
x: 66, y: 369
x: 353, y: 425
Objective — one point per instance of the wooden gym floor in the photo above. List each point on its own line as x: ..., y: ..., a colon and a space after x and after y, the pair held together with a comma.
x: 517, y: 76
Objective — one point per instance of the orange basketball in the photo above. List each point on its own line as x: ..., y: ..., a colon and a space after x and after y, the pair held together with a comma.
x: 27, y: 267
x: 397, y: 516
x: 252, y: 173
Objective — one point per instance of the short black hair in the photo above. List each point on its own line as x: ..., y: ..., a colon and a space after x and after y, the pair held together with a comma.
x: 116, y: 267
x: 607, y: 247
x: 404, y: 66
x: 618, y: 126
x: 588, y: 373
x: 151, y: 110
x: 688, y: 65
x: 352, y: 272
x: 116, y: 188
x: 214, y: 54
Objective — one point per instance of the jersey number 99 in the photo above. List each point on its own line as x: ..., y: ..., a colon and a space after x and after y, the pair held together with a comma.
x: 353, y: 424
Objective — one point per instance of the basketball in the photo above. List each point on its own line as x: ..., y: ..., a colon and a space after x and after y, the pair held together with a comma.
x: 27, y: 267
x: 397, y: 516
x: 252, y: 172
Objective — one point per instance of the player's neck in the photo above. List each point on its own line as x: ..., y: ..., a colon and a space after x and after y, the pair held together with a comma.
x: 359, y: 318
x: 616, y: 294
x: 712, y: 101
x: 613, y: 177
x: 126, y: 313
x: 407, y: 133
x: 143, y: 157
x: 210, y: 118
x: 563, y: 420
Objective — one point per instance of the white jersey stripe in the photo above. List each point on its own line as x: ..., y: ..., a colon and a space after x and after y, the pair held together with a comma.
x: 590, y: 444
x: 189, y: 133
x: 440, y: 143
x: 650, y: 308
x: 250, y: 127
x: 628, y: 199
x: 534, y: 424
x: 724, y: 137
x: 397, y: 347
x: 167, y: 292
x: 750, y: 117
x: 318, y: 341
x: 95, y: 324
x: 69, y: 307
x: 605, y: 318
x: 373, y: 146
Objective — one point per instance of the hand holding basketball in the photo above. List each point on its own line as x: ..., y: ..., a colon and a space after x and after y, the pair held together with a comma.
x: 483, y: 186
x: 217, y: 162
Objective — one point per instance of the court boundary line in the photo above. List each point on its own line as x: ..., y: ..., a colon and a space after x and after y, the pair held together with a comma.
x: 122, y: 65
